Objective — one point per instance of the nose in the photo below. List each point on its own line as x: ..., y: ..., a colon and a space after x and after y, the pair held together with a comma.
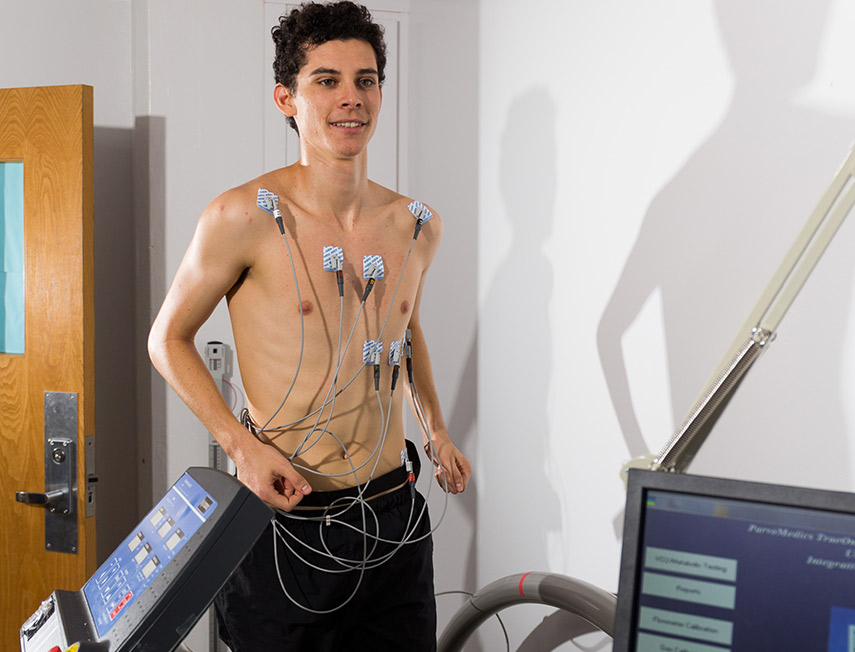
x: 350, y: 97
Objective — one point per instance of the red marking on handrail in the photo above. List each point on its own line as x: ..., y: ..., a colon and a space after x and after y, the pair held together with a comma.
x: 522, y: 579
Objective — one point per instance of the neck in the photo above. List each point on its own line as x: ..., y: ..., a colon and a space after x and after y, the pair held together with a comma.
x: 336, y: 188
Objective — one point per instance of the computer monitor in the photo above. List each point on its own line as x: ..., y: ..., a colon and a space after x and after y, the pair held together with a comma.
x: 715, y: 565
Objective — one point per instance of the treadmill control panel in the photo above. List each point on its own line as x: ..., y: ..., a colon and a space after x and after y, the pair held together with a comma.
x: 156, y: 585
x: 145, y: 552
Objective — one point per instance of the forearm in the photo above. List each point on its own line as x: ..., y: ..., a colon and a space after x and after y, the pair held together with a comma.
x: 423, y: 396
x: 260, y: 467
x: 453, y: 469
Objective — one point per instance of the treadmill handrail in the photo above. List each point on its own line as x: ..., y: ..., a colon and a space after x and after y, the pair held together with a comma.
x: 587, y: 601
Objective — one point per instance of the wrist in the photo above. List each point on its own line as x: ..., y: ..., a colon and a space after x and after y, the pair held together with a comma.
x: 437, y: 435
x: 435, y: 440
x: 240, y: 445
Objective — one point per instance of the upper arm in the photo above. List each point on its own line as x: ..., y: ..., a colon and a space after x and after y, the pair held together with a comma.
x: 216, y: 257
x: 431, y: 236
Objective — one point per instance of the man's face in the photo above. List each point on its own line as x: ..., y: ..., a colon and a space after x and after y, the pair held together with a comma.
x: 337, y: 98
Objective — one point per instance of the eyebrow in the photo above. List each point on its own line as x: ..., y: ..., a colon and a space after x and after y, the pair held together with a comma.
x: 332, y: 71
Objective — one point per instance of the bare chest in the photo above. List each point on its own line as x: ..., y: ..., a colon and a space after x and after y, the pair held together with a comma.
x: 330, y: 284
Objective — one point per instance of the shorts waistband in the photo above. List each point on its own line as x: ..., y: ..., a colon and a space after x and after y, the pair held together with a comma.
x: 385, y: 483
x: 321, y: 500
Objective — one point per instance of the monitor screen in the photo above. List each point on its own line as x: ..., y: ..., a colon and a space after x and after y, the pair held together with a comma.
x: 711, y: 565
x: 145, y: 552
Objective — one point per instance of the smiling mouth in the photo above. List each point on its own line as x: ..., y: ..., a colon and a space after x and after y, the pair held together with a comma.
x: 350, y: 124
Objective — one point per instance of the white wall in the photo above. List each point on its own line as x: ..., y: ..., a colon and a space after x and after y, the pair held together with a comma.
x: 643, y: 167
x: 203, y: 93
x: 443, y: 171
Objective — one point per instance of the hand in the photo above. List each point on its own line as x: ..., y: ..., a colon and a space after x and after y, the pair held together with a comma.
x: 269, y: 474
x: 452, y: 468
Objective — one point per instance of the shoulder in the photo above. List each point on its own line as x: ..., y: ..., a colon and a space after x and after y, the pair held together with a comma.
x: 235, y: 216
x: 237, y: 205
x: 408, y: 211
x: 231, y: 228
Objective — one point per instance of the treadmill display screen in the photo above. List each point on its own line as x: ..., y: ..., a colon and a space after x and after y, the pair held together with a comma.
x: 146, y: 551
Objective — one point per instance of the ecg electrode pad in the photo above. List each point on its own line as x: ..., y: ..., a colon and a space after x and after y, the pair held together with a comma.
x: 267, y: 201
x: 333, y: 259
x: 372, y: 261
x: 371, y: 350
x: 420, y: 211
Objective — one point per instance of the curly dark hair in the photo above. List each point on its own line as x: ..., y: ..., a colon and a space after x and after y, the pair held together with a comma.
x: 314, y: 23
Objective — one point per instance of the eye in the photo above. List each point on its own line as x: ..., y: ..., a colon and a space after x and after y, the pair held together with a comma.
x: 367, y: 82
x: 327, y: 81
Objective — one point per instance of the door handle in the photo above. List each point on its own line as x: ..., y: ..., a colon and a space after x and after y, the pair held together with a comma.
x: 52, y: 500
x: 60, y: 469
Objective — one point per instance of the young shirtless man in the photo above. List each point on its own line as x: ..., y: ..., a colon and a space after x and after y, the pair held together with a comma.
x: 327, y: 584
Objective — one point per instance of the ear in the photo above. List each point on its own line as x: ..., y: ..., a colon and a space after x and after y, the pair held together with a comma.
x: 284, y: 100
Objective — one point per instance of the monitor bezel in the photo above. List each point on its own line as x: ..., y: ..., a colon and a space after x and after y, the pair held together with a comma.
x: 641, y: 481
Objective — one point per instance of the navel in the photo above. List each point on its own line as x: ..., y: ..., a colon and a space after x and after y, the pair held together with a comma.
x: 405, y: 307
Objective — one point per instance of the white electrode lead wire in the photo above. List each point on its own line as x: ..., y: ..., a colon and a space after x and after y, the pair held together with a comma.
x: 367, y: 561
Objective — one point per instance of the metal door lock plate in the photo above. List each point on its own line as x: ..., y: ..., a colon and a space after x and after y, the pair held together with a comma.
x: 61, y: 531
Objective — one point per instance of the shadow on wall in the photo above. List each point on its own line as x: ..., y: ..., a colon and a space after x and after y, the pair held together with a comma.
x: 462, y: 422
x: 712, y: 239
x: 559, y: 628
x: 515, y: 364
x: 115, y: 309
x: 149, y: 211
x: 129, y: 200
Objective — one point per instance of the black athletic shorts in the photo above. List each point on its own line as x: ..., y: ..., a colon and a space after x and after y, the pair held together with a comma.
x: 393, y: 606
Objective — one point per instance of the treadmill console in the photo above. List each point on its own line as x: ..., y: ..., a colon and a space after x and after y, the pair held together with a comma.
x: 164, y: 575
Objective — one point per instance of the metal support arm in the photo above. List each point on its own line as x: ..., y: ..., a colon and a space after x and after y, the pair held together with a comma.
x: 762, y: 323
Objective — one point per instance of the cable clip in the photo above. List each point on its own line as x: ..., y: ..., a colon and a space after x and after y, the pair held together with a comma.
x: 333, y: 259
x: 269, y: 203
x: 395, y: 353
x: 421, y: 213
x: 372, y: 271
x: 372, y: 268
x: 334, y: 262
x: 408, y: 344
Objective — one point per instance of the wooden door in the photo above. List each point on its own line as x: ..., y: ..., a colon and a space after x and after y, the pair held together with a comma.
x: 48, y: 132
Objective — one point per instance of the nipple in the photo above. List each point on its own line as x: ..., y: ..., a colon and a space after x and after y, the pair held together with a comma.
x: 306, y: 307
x: 405, y: 307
